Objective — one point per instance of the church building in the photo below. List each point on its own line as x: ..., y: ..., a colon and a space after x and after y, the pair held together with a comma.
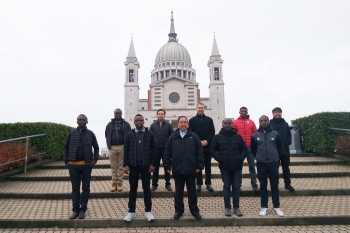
x: 173, y: 85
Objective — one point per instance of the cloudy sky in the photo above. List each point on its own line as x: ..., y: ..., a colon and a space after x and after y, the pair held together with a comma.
x: 62, y: 58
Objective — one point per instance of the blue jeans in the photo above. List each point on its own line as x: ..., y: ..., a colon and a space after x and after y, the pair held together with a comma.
x: 231, y: 179
x: 250, y: 159
x: 80, y: 174
x: 269, y: 170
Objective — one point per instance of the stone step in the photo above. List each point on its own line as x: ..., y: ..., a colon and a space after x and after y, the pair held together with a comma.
x: 199, y: 229
x: 101, y: 189
x: 294, y: 161
x: 109, y: 212
x: 105, y: 174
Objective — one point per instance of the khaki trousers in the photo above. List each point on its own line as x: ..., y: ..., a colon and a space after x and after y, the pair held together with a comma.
x: 116, y: 158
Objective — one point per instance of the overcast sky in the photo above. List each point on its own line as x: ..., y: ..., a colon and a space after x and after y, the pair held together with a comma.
x: 62, y: 58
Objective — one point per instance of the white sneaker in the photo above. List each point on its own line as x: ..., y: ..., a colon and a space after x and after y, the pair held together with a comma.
x: 278, y: 212
x: 263, y: 212
x: 129, y: 217
x: 149, y: 216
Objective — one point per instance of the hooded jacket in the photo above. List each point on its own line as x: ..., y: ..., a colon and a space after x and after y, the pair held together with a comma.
x: 183, y: 155
x: 109, y: 131
x: 245, y: 127
x: 267, y: 145
x: 229, y: 149
x: 282, y: 127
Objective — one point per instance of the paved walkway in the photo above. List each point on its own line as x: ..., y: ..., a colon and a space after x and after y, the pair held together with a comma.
x: 267, y: 229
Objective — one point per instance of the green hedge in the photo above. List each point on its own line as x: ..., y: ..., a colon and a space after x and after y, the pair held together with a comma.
x: 52, y: 143
x: 315, y: 132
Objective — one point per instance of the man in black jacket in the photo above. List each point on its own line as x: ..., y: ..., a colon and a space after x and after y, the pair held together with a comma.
x: 267, y: 147
x: 115, y: 134
x: 79, y: 159
x: 203, y: 126
x: 184, y: 157
x: 229, y: 149
x: 140, y: 153
x: 282, y: 127
x: 161, y: 130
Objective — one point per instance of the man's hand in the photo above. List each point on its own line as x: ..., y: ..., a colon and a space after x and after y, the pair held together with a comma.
x: 93, y: 163
x: 126, y: 170
x: 198, y: 170
x: 151, y: 169
x: 205, y: 142
x: 168, y: 171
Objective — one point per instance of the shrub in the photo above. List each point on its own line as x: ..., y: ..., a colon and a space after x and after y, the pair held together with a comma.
x: 343, y: 145
x: 317, y: 137
x: 52, y: 144
x: 11, y: 151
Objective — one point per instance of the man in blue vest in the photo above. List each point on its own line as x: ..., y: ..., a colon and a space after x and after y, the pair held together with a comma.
x: 79, y: 159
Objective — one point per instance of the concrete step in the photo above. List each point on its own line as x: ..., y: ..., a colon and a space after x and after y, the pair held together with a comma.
x: 109, y: 212
x: 105, y: 174
x: 294, y: 161
x: 101, y: 189
x: 199, y: 229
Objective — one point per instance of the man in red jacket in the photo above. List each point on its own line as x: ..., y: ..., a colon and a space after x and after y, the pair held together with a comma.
x: 246, y: 128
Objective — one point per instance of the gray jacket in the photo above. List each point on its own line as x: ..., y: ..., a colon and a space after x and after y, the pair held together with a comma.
x: 267, y: 145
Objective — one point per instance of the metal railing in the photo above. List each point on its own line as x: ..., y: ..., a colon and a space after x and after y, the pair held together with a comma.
x: 339, y: 129
x: 26, y: 155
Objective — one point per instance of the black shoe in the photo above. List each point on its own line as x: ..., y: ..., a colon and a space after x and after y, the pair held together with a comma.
x: 168, y: 187
x: 290, y: 188
x: 238, y: 212
x: 210, y: 188
x: 153, y: 188
x: 199, y: 187
x: 197, y: 216
x: 255, y: 188
x: 177, y: 215
x: 81, y: 215
x: 74, y: 215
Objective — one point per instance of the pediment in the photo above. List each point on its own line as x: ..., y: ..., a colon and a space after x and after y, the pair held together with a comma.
x: 163, y: 81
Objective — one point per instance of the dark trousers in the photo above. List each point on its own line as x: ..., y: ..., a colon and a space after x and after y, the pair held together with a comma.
x: 180, y: 181
x: 231, y: 179
x: 250, y: 159
x: 160, y: 155
x: 269, y: 170
x: 80, y: 174
x: 133, y: 181
x: 207, y: 166
x: 285, y: 161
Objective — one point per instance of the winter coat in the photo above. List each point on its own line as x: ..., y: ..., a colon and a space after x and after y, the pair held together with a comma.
x: 245, y: 127
x: 109, y: 131
x: 203, y: 126
x: 161, y: 132
x: 282, y: 127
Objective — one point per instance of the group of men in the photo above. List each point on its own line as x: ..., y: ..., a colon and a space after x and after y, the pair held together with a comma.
x: 185, y: 152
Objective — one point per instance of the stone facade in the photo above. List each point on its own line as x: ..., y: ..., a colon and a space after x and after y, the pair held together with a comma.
x: 173, y: 85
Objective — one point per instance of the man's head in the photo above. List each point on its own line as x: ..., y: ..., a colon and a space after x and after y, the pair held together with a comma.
x: 82, y: 121
x: 200, y: 109
x: 243, y: 112
x: 227, y: 124
x: 160, y: 115
x: 139, y: 121
x: 264, y: 122
x: 182, y: 123
x: 118, y: 114
x: 277, y: 112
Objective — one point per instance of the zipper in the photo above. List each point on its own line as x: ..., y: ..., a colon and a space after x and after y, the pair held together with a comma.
x: 135, y: 149
x: 143, y: 157
x: 265, y: 145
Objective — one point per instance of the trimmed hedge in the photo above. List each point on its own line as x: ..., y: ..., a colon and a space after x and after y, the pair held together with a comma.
x: 52, y: 143
x: 316, y: 135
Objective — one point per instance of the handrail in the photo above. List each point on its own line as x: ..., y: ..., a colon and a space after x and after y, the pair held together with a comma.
x: 15, y: 139
x: 26, y: 155
x: 347, y: 130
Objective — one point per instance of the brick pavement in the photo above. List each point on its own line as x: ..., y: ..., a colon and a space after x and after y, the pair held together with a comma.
x: 272, y: 229
x: 215, y: 170
x: 322, y: 183
x: 210, y: 207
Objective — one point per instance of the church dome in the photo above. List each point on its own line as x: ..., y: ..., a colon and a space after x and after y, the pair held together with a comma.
x: 173, y: 51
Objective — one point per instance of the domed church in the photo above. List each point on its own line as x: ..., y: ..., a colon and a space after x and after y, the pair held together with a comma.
x: 173, y: 85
